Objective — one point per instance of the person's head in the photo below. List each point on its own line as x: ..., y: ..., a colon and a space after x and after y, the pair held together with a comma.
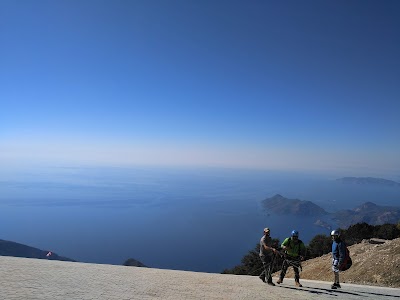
x: 267, y: 231
x: 295, y: 235
x: 335, y: 234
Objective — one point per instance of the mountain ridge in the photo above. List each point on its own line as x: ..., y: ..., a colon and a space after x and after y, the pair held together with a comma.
x: 9, y: 248
x: 14, y: 249
x: 368, y: 212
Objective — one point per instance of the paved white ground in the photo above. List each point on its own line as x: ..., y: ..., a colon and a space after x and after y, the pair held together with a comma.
x: 28, y: 279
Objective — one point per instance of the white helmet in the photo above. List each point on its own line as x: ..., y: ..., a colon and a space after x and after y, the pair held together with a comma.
x: 335, y: 233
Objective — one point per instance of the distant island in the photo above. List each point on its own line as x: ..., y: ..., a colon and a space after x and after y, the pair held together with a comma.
x: 368, y: 181
x: 282, y: 206
x: 368, y: 212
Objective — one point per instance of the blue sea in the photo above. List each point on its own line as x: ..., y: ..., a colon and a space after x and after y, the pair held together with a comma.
x: 187, y: 219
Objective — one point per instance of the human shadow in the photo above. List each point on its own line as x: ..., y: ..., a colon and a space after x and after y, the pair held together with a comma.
x: 320, y: 291
x: 359, y: 293
x: 379, y: 294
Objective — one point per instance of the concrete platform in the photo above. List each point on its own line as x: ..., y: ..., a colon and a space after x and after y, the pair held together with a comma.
x: 34, y: 279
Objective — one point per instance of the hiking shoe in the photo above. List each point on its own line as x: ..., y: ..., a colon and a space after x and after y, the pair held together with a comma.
x: 299, y: 284
x: 335, y: 286
x: 279, y: 281
x: 271, y: 283
x: 262, y: 278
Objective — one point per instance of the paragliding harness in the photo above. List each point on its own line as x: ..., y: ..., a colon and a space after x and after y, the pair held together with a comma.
x: 347, y: 262
x: 281, y: 256
x: 295, y: 262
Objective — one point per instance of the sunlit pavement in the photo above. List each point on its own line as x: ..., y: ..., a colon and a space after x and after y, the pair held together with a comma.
x: 22, y: 278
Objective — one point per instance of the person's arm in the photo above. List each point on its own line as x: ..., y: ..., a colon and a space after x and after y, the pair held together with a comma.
x: 334, y: 245
x: 285, y: 244
x: 266, y: 247
x: 335, y: 251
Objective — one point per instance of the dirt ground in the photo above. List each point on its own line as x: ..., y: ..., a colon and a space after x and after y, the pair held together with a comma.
x: 373, y: 264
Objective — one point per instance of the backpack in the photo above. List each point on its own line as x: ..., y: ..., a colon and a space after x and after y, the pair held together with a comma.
x: 347, y: 262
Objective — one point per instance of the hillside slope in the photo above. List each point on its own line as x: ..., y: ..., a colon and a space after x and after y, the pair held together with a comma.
x: 373, y: 264
x: 9, y: 248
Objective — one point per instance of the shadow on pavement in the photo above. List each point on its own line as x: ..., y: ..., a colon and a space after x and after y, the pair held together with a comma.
x: 358, y: 293
x: 314, y: 290
x: 319, y: 291
x: 378, y: 294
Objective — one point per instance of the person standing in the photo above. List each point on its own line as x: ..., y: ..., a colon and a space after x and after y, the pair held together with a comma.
x: 294, y: 254
x: 267, y: 253
x: 338, y: 255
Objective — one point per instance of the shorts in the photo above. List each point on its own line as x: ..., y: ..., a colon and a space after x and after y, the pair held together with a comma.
x: 335, y: 265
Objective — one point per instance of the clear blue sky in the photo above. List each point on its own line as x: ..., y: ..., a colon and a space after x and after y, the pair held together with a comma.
x: 311, y: 85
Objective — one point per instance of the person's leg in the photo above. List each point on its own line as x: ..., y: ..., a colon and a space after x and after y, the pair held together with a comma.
x: 285, y: 265
x: 296, y: 267
x: 337, y: 279
x: 262, y: 275
x: 336, y: 283
x: 335, y: 270
x: 269, y: 270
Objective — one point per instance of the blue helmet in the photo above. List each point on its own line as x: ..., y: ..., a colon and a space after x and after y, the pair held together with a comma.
x: 295, y: 233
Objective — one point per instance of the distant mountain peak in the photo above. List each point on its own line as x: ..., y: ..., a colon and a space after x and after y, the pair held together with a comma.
x: 368, y: 205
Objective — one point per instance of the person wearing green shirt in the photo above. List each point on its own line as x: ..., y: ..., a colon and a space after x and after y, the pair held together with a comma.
x: 294, y: 253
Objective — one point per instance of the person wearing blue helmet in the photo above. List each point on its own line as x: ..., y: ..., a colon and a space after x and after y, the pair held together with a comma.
x: 294, y: 253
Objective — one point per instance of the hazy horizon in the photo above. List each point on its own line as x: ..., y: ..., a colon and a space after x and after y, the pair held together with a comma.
x: 107, y: 215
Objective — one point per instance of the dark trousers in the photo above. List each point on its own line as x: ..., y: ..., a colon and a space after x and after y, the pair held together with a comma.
x: 267, y: 263
x: 295, y: 263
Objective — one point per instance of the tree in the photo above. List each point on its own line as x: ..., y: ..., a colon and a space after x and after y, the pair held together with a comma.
x: 251, y: 263
x: 358, y: 232
x: 386, y: 231
x: 133, y: 263
x: 319, y: 245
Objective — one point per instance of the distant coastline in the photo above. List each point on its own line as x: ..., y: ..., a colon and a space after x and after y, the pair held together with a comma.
x: 368, y: 212
x: 368, y: 181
